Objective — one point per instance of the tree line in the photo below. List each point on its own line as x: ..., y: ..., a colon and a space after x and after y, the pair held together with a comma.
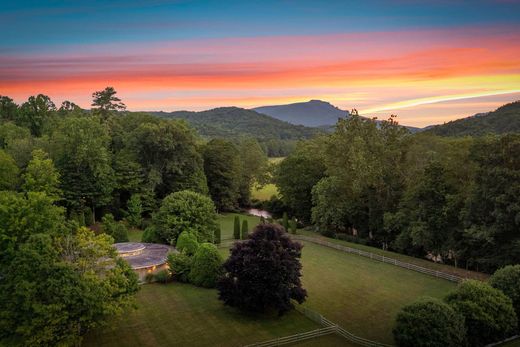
x: 105, y: 156
x: 454, y: 200
x: 65, y: 168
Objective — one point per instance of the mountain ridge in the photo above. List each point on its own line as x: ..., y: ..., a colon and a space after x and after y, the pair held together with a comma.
x: 312, y: 113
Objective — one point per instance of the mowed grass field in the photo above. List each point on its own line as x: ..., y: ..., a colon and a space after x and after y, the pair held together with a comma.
x: 227, y: 223
x: 360, y: 294
x: 177, y: 314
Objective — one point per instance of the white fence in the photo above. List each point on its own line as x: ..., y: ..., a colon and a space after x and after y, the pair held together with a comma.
x: 381, y: 258
x: 328, y: 328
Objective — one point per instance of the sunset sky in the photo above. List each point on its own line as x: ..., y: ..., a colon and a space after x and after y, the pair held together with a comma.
x: 426, y: 61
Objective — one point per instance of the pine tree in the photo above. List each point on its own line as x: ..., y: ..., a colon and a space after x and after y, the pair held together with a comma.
x: 217, y: 236
x: 245, y: 229
x: 285, y: 222
x: 293, y: 225
x: 236, y: 230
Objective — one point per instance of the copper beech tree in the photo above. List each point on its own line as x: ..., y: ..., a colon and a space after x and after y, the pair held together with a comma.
x: 263, y: 272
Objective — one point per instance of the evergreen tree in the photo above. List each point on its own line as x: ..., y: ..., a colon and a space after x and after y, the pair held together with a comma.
x: 293, y: 225
x: 218, y: 236
x: 245, y: 229
x: 285, y: 222
x: 236, y: 228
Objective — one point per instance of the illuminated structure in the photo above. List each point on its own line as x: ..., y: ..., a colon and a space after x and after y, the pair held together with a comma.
x: 144, y: 258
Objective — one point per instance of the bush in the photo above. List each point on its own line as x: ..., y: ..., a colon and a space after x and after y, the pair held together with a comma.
x: 236, y: 228
x: 187, y: 243
x: 185, y: 210
x: 150, y: 235
x: 89, y: 217
x: 507, y: 279
x: 149, y: 277
x: 263, y: 272
x: 134, y: 211
x: 162, y: 276
x: 488, y: 313
x: 115, y: 229
x: 429, y: 323
x: 218, y: 237
x: 293, y: 225
x: 245, y: 229
x: 285, y: 221
x: 206, y: 266
x: 180, y: 266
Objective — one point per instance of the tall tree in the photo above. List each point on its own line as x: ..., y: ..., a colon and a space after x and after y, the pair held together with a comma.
x: 170, y: 156
x: 8, y: 109
x: 263, y: 272
x: 297, y: 174
x: 8, y: 172
x: 185, y: 211
x: 41, y: 175
x: 105, y: 102
x: 491, y: 215
x: 81, y: 153
x: 254, y: 168
x: 35, y: 112
x: 223, y: 171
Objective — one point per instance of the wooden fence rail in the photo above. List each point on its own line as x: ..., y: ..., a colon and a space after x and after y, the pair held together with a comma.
x: 328, y: 328
x: 381, y: 258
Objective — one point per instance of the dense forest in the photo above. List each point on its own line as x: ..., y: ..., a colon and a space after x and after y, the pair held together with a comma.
x: 277, y: 138
x: 63, y: 169
x: 73, y: 181
x: 451, y: 199
x: 501, y: 121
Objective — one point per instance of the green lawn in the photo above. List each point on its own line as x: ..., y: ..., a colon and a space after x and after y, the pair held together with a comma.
x: 405, y: 258
x: 264, y: 193
x: 178, y: 314
x: 360, y: 294
x: 227, y: 223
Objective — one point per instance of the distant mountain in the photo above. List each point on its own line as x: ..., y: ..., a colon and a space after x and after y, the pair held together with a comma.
x: 313, y: 113
x: 505, y: 119
x: 277, y: 137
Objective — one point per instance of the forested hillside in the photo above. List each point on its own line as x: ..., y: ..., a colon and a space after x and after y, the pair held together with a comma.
x: 451, y: 199
x: 505, y: 119
x: 275, y: 136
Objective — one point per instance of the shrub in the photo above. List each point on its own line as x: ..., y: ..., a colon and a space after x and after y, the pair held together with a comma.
x: 115, y: 229
x: 263, y: 272
x: 293, y: 225
x: 206, y: 266
x: 507, y: 279
x: 218, y: 237
x: 187, y: 243
x: 89, y: 217
x: 285, y: 221
x: 185, y: 210
x: 149, y: 277
x: 162, y: 276
x: 150, y: 235
x: 236, y: 228
x: 245, y: 229
x: 429, y: 322
x: 180, y: 266
x: 488, y: 313
x: 134, y: 211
